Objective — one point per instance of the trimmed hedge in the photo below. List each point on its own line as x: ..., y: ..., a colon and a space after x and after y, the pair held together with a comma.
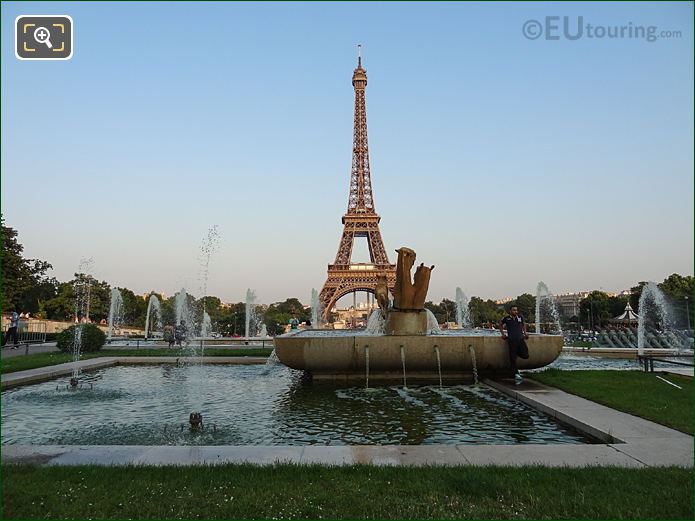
x: 92, y: 338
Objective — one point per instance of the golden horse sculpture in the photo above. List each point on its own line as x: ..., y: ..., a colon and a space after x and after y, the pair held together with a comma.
x: 410, y: 295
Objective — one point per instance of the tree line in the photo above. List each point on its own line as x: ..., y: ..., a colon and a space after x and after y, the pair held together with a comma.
x: 27, y: 287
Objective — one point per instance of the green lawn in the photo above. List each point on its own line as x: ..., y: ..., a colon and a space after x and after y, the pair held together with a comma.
x: 357, y: 492
x: 634, y: 392
x: 20, y: 363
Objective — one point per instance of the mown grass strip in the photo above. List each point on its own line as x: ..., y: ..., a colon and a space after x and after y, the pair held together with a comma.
x: 634, y: 392
x: 357, y: 492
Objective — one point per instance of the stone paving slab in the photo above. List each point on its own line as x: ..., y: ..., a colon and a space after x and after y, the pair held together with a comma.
x: 647, y: 442
x: 31, y: 349
x: 548, y: 455
x: 585, y: 415
x: 659, y: 452
x: 393, y: 455
x: 680, y: 371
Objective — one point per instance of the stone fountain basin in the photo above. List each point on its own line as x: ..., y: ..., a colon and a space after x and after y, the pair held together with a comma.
x: 344, y: 356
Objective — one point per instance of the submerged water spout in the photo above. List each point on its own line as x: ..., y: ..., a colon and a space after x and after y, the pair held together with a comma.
x: 315, y: 309
x: 544, y: 299
x: 463, y: 314
x: 115, y: 311
x: 153, y: 304
x: 652, y: 305
x: 251, y: 321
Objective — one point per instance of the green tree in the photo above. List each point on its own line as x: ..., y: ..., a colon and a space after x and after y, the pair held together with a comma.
x: 277, y: 315
x: 231, y: 319
x: 63, y: 305
x: 635, y: 294
x: 617, y: 305
x: 134, y: 308
x: 484, y: 312
x: 20, y: 275
x: 527, y: 306
x: 35, y: 297
x: 598, y: 306
x: 676, y: 288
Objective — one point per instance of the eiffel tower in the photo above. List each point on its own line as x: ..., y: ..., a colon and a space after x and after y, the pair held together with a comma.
x: 361, y: 219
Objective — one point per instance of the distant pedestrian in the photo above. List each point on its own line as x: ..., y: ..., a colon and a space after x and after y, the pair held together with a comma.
x: 12, y: 330
x: 169, y: 334
x: 294, y: 323
x: 180, y: 332
x: 515, y: 336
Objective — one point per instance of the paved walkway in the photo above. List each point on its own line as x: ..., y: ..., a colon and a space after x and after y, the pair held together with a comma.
x: 682, y: 371
x: 644, y: 441
x: 28, y: 349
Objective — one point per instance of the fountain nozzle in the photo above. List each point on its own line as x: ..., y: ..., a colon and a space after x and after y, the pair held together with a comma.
x: 195, y: 420
x: 73, y: 382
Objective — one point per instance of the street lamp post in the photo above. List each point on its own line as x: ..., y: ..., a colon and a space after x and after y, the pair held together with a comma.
x: 687, y: 311
x: 591, y: 307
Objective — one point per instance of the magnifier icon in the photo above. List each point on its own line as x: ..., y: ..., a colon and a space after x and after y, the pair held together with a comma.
x: 43, y: 35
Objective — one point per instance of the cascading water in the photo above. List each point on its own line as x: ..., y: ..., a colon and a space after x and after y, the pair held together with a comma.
x: 251, y: 318
x: 545, y: 301
x: 653, y: 309
x: 315, y: 311
x: 115, y: 311
x: 432, y: 324
x: 264, y: 331
x: 463, y: 314
x: 153, y: 305
x: 376, y: 325
x: 474, y: 363
x: 405, y: 384
x: 366, y: 365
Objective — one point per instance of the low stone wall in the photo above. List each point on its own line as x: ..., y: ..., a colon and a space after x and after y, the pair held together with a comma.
x: 56, y: 326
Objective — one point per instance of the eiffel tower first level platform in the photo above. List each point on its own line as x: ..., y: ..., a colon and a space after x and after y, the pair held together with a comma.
x: 361, y: 219
x: 344, y: 276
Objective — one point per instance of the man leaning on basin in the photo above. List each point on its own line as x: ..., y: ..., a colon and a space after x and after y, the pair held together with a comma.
x: 515, y: 336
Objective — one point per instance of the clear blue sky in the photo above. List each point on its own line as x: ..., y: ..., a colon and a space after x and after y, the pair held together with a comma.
x: 501, y: 160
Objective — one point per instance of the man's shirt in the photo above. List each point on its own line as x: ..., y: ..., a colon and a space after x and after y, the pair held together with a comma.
x: 515, y: 326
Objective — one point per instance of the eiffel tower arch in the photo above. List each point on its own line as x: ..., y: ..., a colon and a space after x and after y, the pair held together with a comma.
x: 360, y: 220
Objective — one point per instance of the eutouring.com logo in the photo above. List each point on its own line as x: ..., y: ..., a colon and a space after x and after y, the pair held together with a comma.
x: 574, y: 28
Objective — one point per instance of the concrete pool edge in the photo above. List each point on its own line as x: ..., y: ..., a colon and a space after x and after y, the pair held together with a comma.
x: 42, y: 374
x: 569, y: 455
x: 629, y: 441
